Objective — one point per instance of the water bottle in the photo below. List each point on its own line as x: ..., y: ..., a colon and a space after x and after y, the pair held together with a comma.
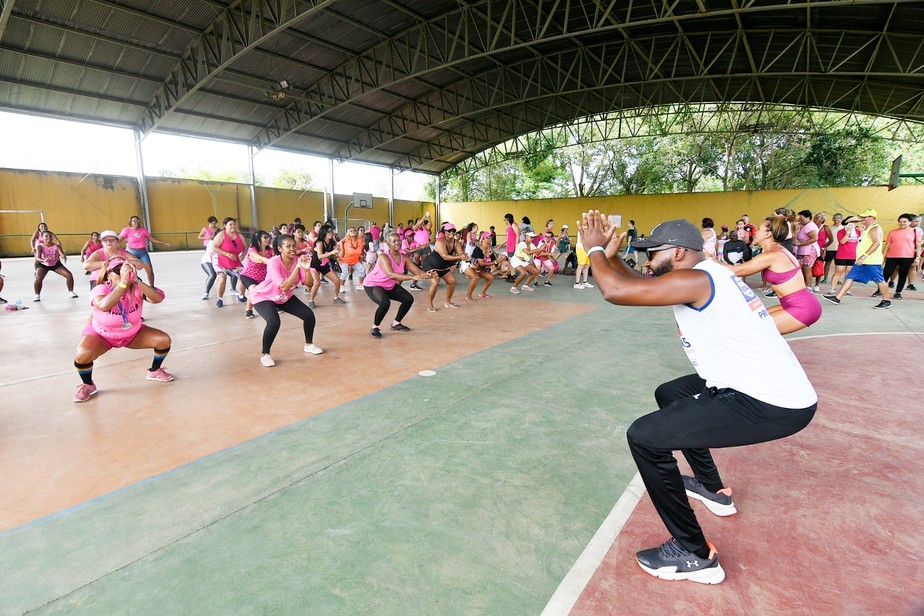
x: 18, y: 303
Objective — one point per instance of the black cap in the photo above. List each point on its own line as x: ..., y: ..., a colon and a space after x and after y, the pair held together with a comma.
x: 674, y: 232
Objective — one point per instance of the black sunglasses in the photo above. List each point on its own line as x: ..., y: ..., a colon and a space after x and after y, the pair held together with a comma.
x: 649, y: 251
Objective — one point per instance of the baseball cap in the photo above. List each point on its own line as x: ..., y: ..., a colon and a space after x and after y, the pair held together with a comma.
x: 108, y: 233
x: 530, y: 234
x: 564, y: 226
x: 852, y: 219
x: 448, y: 226
x: 674, y: 232
x: 869, y: 212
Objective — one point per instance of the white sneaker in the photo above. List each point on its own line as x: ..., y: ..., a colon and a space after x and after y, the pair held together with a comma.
x: 73, y: 294
x: 816, y: 289
x: 587, y: 285
x: 267, y: 361
x: 313, y: 349
x: 527, y: 287
x: 38, y: 298
x: 512, y: 290
x: 578, y: 285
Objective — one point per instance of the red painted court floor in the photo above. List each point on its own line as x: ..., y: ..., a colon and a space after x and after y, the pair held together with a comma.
x: 830, y: 521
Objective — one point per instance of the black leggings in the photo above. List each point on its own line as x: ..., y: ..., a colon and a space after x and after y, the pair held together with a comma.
x: 268, y: 310
x: 383, y: 298
x: 717, y: 418
x: 904, y: 266
x: 211, y: 275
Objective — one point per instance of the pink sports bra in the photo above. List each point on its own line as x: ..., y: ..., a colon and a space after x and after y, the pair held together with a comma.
x: 781, y: 277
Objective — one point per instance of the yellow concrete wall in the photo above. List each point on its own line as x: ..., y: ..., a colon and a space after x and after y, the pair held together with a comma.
x: 723, y: 208
x: 74, y: 204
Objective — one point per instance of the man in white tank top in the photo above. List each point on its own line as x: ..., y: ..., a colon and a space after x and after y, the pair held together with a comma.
x: 725, y: 331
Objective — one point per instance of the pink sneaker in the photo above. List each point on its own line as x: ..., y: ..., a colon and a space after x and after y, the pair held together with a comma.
x: 84, y: 392
x: 160, y: 375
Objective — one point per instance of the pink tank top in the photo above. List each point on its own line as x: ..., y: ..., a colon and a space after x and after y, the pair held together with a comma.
x: 234, y: 246
x: 48, y: 255
x: 378, y: 278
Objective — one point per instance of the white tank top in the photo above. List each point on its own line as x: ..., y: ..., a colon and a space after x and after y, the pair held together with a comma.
x: 733, y: 342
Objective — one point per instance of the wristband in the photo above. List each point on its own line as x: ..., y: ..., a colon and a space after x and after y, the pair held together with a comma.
x: 594, y: 249
x: 122, y: 285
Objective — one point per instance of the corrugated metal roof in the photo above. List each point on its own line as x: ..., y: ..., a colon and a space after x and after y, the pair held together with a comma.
x: 424, y: 84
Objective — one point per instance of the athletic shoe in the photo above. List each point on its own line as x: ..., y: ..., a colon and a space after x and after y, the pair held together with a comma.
x: 37, y: 298
x: 815, y: 289
x: 671, y: 561
x: 159, y: 375
x: 547, y: 283
x: 414, y: 287
x: 400, y: 328
x: 832, y: 298
x: 338, y: 300
x: 325, y: 281
x: 266, y: 361
x: 587, y: 285
x: 578, y: 285
x: 897, y: 296
x: 511, y: 278
x: 2, y: 301
x: 891, y: 284
x: 536, y: 284
x: 526, y: 287
x: 73, y: 294
x: 219, y: 303
x: 311, y: 304
x: 306, y: 290
x: 84, y: 392
x: 514, y: 290
x: 242, y: 298
x: 883, y: 305
x: 205, y: 296
x: 911, y: 287
x: 313, y: 349
x: 719, y: 504
x: 770, y: 293
x: 376, y: 333
x: 877, y: 293
x: 248, y: 314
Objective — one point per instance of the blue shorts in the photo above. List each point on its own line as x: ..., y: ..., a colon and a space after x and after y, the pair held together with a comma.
x: 866, y: 273
x: 141, y: 254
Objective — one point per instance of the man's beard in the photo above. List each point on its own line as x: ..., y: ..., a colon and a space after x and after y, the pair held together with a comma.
x: 664, y: 268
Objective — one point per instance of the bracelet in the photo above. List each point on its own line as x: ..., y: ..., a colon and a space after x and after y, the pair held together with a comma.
x: 122, y: 285
x: 594, y: 249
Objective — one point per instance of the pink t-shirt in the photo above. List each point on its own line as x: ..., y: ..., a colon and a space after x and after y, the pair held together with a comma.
x: 378, y: 278
x: 47, y: 255
x: 276, y: 273
x: 422, y: 236
x: 109, y: 324
x: 803, y: 235
x: 848, y: 250
x: 511, y: 239
x: 901, y: 243
x: 136, y: 239
x: 375, y: 232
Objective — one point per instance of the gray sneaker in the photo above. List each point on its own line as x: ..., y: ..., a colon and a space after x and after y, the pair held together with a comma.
x: 311, y: 305
x: 883, y: 305
x: 832, y: 298
x: 337, y: 300
x: 671, y: 561
x: 719, y: 504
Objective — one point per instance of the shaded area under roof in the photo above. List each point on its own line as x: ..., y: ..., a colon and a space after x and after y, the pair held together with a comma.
x: 426, y: 84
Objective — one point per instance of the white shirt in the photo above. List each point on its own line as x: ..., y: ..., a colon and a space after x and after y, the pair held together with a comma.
x: 733, y: 342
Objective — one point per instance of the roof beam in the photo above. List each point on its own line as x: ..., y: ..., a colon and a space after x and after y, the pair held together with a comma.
x: 6, y: 9
x: 235, y: 31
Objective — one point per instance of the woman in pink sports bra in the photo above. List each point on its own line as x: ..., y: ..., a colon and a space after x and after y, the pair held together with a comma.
x: 798, y: 308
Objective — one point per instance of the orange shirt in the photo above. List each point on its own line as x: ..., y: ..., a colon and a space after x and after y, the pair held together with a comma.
x: 352, y: 250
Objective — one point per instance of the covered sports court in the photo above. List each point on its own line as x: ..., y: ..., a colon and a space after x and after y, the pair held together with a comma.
x: 348, y: 484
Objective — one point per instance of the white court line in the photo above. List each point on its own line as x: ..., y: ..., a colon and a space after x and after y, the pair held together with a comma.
x: 570, y: 589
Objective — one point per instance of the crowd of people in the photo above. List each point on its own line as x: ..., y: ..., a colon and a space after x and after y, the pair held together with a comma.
x: 793, y: 253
